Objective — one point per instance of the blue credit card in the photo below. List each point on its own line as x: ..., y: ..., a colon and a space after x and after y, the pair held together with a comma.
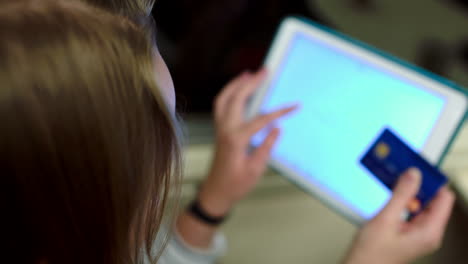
x: 389, y: 157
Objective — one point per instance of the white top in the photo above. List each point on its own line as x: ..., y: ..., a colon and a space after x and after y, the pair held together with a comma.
x: 179, y: 252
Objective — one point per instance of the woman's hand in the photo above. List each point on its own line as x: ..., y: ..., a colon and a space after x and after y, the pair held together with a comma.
x: 235, y: 171
x: 387, y: 239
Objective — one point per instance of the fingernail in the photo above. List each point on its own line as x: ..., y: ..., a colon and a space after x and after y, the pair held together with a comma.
x: 294, y: 106
x: 291, y: 105
x: 412, y: 174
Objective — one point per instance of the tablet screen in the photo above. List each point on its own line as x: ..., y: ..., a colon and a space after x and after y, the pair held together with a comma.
x: 345, y: 103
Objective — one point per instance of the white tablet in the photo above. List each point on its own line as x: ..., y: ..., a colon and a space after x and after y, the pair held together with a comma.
x: 348, y: 93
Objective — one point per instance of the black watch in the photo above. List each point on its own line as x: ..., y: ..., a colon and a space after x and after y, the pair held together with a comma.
x: 196, y: 210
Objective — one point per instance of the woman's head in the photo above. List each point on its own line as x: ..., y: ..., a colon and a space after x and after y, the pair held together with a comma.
x: 88, y: 145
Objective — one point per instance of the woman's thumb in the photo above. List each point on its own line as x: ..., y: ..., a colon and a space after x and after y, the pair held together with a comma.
x: 405, y: 190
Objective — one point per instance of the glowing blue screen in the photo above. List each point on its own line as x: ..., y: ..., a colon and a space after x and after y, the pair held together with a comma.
x: 345, y: 103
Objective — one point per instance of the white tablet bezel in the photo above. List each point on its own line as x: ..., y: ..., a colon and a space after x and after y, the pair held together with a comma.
x: 448, y: 123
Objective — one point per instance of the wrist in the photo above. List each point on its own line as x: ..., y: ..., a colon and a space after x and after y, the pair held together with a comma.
x: 366, y: 257
x: 359, y: 259
x: 197, y: 211
x: 214, y: 203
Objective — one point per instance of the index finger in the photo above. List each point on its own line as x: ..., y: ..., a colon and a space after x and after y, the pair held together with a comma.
x: 262, y: 121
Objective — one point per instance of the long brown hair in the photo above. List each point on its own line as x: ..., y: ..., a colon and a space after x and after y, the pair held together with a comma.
x: 89, y: 150
x: 139, y: 11
x: 128, y: 8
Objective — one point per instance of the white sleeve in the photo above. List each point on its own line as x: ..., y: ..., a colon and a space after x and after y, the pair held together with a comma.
x: 179, y: 252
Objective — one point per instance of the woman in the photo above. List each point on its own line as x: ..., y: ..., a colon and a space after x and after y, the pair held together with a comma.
x: 83, y: 117
x: 89, y: 149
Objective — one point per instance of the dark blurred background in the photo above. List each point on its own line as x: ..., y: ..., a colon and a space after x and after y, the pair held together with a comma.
x: 207, y: 42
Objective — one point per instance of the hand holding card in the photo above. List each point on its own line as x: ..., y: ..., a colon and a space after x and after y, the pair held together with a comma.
x: 389, y: 157
x: 387, y: 239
